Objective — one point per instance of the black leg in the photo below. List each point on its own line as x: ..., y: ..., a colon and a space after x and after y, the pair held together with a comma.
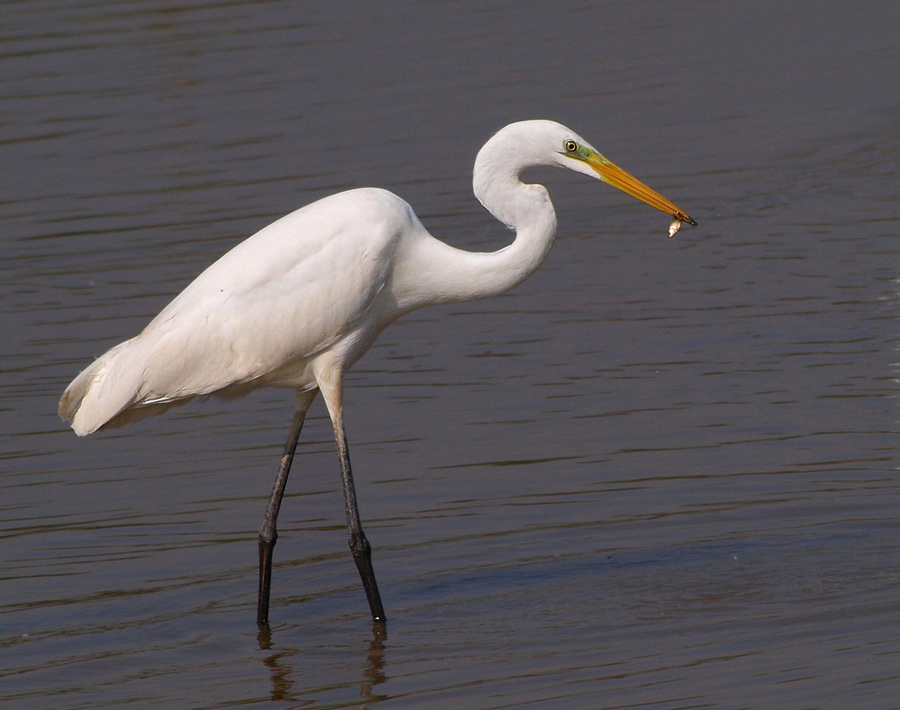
x: 359, y: 545
x: 268, y: 535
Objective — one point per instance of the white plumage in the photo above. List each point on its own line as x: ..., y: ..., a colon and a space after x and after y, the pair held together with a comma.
x: 296, y: 304
x: 310, y: 283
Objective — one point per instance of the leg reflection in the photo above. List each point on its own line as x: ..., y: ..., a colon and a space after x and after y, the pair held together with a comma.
x: 281, y: 670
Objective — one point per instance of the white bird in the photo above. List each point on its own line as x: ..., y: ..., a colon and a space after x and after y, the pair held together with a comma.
x: 299, y: 302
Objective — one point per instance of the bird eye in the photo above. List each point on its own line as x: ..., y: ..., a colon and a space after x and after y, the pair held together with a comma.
x: 571, y: 146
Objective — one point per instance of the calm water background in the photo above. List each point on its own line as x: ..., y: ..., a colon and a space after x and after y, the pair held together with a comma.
x: 659, y: 474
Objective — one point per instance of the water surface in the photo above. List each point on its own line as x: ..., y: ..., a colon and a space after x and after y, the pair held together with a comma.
x: 659, y: 474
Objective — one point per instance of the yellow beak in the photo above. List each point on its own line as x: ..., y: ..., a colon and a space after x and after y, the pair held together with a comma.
x: 614, y: 175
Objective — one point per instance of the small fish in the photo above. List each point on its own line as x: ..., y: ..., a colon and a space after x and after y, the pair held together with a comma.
x: 674, y: 227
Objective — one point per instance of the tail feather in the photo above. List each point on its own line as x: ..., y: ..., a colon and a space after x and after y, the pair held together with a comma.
x: 160, y: 368
x: 106, y: 388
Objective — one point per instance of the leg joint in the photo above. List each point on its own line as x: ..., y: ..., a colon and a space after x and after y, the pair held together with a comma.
x: 268, y: 535
x: 359, y: 545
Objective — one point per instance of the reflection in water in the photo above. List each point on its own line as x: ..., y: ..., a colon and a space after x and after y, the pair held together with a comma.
x: 373, y: 674
x: 281, y: 672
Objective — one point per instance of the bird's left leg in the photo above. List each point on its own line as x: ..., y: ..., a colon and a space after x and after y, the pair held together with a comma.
x: 268, y: 535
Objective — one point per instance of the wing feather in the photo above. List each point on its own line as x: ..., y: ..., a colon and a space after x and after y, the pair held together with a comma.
x: 287, y: 293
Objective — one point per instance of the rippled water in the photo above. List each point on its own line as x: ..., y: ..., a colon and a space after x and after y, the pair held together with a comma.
x: 659, y: 474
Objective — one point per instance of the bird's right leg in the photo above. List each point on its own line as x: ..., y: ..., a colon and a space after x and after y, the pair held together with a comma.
x: 329, y: 377
x: 268, y: 535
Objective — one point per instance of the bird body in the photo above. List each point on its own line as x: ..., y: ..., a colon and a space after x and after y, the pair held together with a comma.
x: 296, y: 304
x: 262, y: 313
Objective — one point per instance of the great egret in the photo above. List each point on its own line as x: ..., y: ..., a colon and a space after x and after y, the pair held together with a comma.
x: 299, y: 302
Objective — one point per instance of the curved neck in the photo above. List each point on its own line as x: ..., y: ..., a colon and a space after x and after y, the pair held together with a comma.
x: 480, y: 274
x: 445, y: 274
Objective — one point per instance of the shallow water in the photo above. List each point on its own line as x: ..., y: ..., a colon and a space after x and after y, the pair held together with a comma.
x: 659, y: 474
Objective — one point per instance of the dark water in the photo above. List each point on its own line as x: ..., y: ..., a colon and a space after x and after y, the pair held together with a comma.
x: 659, y: 474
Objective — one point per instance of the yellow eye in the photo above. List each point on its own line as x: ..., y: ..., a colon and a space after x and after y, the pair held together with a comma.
x: 571, y: 146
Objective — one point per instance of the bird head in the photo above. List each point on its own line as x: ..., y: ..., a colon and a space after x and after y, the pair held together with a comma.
x: 576, y: 154
x: 540, y: 142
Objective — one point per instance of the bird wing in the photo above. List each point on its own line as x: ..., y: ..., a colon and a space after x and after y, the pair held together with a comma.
x: 289, y: 292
